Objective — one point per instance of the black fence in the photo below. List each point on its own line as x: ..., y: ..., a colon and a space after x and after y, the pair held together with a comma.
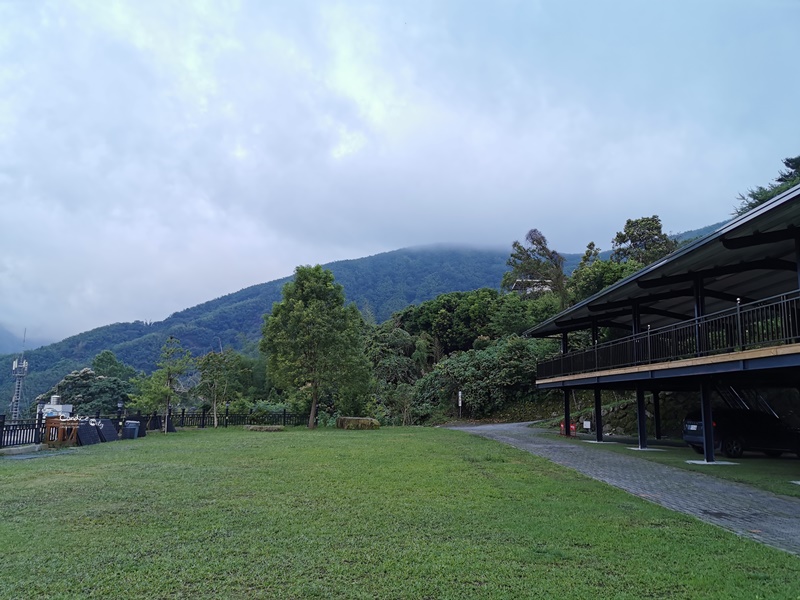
x: 18, y: 433
x: 766, y: 323
x: 31, y: 431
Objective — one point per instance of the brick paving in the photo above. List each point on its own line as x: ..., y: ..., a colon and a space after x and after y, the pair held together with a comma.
x: 762, y: 516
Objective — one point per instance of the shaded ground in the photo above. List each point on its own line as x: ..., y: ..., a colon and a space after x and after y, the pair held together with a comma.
x: 768, y: 518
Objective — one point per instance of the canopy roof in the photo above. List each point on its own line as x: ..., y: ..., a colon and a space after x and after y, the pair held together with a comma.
x: 754, y: 256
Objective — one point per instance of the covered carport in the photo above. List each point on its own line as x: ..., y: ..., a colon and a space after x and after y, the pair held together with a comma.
x: 721, y: 311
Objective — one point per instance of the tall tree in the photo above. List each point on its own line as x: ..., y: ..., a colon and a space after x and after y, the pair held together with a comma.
x: 594, y: 274
x: 106, y: 364
x: 535, y: 268
x: 785, y: 180
x: 89, y: 392
x: 313, y: 341
x: 175, y: 361
x: 643, y: 241
x: 219, y: 378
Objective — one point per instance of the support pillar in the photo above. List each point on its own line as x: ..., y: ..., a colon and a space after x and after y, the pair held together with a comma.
x: 657, y: 412
x: 598, y: 414
x: 641, y: 417
x: 567, y: 431
x: 708, y: 423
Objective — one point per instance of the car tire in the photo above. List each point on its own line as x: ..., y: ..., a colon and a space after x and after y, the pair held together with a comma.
x: 732, y: 448
x: 698, y: 449
x: 773, y: 453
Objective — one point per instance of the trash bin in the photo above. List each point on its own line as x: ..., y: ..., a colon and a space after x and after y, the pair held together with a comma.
x: 131, y: 430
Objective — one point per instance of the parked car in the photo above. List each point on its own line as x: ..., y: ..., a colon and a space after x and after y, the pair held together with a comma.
x: 737, y: 430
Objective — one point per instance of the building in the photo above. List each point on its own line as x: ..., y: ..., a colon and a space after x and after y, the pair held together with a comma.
x: 723, y: 311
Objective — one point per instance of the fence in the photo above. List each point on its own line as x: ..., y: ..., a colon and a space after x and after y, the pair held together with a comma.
x: 770, y: 322
x: 30, y: 431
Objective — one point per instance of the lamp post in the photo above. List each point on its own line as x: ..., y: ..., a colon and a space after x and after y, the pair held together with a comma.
x: 37, y: 437
x: 227, y: 406
x: 120, y: 404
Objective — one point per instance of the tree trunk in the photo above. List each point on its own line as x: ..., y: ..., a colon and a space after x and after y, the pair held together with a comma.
x: 312, y: 416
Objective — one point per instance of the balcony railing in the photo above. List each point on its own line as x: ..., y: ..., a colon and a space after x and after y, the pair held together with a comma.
x: 765, y: 323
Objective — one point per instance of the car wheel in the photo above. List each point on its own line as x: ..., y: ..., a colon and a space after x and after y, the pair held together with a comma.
x: 732, y: 448
x: 698, y: 449
x: 773, y: 453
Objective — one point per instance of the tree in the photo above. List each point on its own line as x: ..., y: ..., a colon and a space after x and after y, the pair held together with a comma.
x: 106, y: 364
x: 594, y: 274
x: 219, y: 378
x: 314, y: 342
x: 89, y: 393
x: 536, y: 268
x: 643, y: 241
x: 785, y: 180
x: 175, y: 361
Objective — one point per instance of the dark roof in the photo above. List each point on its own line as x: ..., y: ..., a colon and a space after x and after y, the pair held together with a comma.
x: 752, y: 257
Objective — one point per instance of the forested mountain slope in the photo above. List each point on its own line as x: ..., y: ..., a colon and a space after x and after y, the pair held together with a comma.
x: 380, y: 285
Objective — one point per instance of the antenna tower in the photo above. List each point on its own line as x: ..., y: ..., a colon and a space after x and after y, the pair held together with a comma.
x: 19, y: 370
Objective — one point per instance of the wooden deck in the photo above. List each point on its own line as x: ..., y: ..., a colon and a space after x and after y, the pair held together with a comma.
x: 745, y: 355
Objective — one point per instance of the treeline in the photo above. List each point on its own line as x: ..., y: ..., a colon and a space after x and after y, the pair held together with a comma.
x: 406, y: 370
x: 318, y: 353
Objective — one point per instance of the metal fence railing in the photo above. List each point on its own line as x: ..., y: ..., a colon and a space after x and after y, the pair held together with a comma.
x: 765, y: 323
x: 32, y: 431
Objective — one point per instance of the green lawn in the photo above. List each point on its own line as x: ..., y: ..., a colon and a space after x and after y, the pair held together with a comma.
x: 395, y: 513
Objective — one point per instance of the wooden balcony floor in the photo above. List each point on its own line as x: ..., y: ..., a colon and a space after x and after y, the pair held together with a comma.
x: 680, y: 367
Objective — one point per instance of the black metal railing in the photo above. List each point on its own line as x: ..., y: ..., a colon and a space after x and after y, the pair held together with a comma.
x: 771, y: 322
x: 31, y: 431
x: 18, y: 433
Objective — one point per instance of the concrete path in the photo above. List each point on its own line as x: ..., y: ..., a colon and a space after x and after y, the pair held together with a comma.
x: 749, y: 512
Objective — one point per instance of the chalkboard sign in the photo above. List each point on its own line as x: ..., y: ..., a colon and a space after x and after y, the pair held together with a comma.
x: 87, y: 434
x: 108, y: 433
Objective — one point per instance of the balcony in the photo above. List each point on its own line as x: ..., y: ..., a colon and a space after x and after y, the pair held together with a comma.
x: 762, y: 324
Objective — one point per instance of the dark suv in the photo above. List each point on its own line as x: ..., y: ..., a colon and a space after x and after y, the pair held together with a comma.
x: 737, y: 430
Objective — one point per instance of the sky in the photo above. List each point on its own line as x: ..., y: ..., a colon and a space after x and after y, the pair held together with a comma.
x: 156, y: 154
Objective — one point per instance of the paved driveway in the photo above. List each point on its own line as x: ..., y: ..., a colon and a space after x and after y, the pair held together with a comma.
x: 763, y: 516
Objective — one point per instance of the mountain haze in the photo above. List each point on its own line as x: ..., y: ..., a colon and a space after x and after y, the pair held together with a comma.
x: 379, y: 285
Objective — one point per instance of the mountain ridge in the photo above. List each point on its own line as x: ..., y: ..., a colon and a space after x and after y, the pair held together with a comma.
x: 380, y: 285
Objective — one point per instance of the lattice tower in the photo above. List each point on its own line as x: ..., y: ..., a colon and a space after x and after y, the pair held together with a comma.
x: 19, y: 370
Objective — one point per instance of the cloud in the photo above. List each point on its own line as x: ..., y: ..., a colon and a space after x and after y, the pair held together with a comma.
x: 154, y: 155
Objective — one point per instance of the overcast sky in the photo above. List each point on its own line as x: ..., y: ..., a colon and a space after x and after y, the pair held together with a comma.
x: 155, y: 154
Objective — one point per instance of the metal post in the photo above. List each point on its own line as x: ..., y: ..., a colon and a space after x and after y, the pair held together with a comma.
x: 567, y: 431
x: 203, y: 418
x: 708, y: 422
x: 120, y: 424
x: 2, y: 429
x: 598, y: 414
x: 657, y: 413
x: 183, y: 417
x: 641, y: 417
x: 284, y: 417
x: 227, y: 406
x: 37, y: 437
x: 739, y: 343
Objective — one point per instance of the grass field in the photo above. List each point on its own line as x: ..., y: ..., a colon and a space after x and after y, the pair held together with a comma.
x: 395, y: 513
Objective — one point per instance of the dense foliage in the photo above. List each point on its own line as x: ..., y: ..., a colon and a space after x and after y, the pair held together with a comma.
x: 314, y: 344
x: 425, y: 323
x: 784, y: 181
x: 379, y: 285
